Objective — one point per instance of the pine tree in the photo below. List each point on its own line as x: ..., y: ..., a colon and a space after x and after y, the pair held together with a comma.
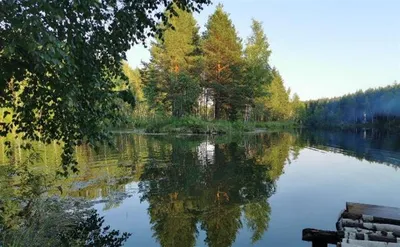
x: 175, y: 59
x: 178, y: 48
x: 152, y: 88
x: 222, y: 61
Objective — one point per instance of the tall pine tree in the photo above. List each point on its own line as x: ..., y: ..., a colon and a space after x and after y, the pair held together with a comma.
x: 222, y: 62
x: 172, y: 76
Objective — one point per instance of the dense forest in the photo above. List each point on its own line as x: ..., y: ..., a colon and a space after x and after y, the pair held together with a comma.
x: 211, y: 75
x: 376, y: 107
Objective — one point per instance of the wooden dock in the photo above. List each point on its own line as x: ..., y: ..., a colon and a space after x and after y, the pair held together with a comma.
x: 360, y: 225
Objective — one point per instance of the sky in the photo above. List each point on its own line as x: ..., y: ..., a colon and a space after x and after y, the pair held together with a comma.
x: 322, y: 48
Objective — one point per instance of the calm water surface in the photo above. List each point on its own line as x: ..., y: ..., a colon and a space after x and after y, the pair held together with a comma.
x: 251, y: 190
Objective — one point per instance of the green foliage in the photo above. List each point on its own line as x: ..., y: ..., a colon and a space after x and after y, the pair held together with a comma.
x: 223, y: 64
x: 131, y: 96
x: 183, y: 93
x: 195, y: 125
x: 153, y: 89
x: 188, y: 125
x: 298, y: 108
x: 277, y: 103
x: 58, y: 60
x: 134, y: 81
x: 54, y: 222
x: 258, y: 70
x: 31, y: 213
x: 29, y: 217
x: 171, y: 80
x: 177, y: 50
x: 257, y: 217
x: 276, y: 125
x: 238, y: 84
x: 269, y: 96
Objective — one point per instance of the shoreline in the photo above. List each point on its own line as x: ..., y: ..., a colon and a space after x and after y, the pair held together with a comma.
x: 197, y: 126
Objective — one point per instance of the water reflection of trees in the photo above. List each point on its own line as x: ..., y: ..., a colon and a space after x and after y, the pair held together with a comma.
x: 218, y: 185
x: 365, y: 144
x: 102, y: 173
x: 28, y: 182
x: 31, y: 216
x: 232, y: 184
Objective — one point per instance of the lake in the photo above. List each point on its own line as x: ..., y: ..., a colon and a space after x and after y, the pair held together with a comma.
x: 244, y: 190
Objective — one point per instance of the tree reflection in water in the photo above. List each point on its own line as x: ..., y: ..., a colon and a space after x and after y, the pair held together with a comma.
x: 216, y: 185
x: 35, y: 207
x: 212, y: 185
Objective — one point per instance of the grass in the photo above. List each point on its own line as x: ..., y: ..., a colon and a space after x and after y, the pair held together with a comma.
x: 195, y: 125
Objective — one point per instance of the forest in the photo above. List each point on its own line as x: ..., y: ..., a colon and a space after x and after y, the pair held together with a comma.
x: 210, y: 75
x: 374, y: 107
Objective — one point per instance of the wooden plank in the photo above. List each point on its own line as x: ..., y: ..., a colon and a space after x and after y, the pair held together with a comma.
x: 369, y: 232
x: 371, y: 226
x: 319, y: 244
x: 373, y: 210
x: 369, y: 218
x: 369, y: 236
x: 320, y: 236
x: 360, y: 243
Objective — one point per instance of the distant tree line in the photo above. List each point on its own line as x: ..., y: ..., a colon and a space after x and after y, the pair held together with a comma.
x: 378, y: 107
x: 211, y: 75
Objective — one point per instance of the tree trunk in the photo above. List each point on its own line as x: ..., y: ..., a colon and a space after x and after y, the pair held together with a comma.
x: 217, y: 108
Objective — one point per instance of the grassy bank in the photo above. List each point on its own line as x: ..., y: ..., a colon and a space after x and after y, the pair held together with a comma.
x: 194, y: 125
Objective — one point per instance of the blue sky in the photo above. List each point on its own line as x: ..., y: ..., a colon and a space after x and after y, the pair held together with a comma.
x: 322, y: 48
